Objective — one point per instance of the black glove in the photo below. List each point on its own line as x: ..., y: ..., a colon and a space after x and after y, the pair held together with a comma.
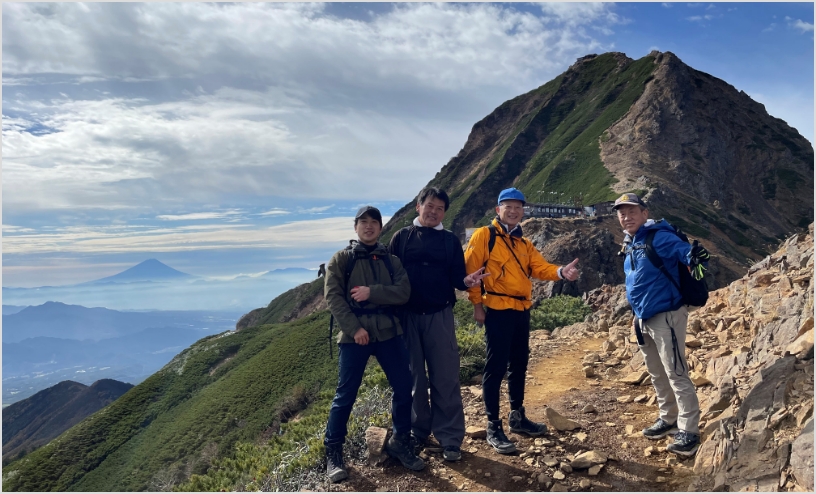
x: 699, y: 253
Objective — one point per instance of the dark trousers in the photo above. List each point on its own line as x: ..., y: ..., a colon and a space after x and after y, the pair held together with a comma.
x: 432, y: 341
x: 507, y: 333
x: 392, y: 356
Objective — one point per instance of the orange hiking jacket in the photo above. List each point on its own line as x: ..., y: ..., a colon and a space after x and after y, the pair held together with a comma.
x: 506, y: 276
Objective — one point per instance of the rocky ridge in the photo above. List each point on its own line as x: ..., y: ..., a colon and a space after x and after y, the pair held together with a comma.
x: 750, y: 351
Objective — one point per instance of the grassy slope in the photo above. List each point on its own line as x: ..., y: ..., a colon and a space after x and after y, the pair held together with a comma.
x: 283, y: 305
x: 173, y: 414
x: 575, y: 110
x: 569, y: 158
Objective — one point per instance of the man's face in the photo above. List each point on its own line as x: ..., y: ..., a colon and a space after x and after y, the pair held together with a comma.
x: 431, y: 212
x: 368, y: 230
x: 632, y: 217
x: 510, y: 212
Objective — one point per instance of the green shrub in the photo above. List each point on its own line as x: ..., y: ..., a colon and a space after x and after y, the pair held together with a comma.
x: 558, y: 311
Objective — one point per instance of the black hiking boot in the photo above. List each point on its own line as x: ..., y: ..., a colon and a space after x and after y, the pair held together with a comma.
x: 452, y: 453
x: 659, y: 430
x: 335, y: 466
x: 685, y: 444
x: 497, y: 439
x: 519, y: 423
x: 418, y: 443
x: 399, y: 446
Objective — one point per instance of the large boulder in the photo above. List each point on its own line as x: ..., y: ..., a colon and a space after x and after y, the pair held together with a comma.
x: 801, y: 459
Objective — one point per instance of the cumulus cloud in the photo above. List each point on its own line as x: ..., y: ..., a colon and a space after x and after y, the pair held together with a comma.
x: 799, y: 24
x: 260, y: 99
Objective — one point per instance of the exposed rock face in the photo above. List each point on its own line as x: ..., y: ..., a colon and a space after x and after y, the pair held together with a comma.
x: 763, y: 393
x: 802, y: 457
x: 713, y: 156
x: 709, y: 158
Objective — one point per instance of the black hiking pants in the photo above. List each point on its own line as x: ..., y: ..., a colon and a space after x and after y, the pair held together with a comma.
x: 507, y: 334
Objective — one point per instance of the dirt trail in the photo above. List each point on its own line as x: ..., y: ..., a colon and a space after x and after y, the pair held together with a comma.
x: 554, y: 379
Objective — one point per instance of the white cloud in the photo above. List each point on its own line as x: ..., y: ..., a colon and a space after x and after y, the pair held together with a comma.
x: 319, y: 209
x: 666, y: 5
x: 700, y: 18
x: 16, y: 229
x: 197, y: 216
x: 274, y: 212
x: 770, y: 28
x: 799, y: 24
x: 267, y: 99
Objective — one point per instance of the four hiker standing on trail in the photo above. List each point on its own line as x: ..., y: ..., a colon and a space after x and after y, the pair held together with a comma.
x: 661, y: 314
x: 503, y: 304
x: 396, y: 303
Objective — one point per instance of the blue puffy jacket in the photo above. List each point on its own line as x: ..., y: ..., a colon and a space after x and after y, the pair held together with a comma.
x: 648, y: 290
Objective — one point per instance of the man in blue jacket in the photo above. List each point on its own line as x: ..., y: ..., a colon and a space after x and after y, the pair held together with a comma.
x: 661, y: 317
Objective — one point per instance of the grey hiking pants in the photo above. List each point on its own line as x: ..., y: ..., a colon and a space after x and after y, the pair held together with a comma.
x: 666, y: 363
x: 431, y: 340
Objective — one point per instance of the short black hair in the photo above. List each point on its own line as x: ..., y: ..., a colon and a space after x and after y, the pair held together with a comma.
x: 433, y: 192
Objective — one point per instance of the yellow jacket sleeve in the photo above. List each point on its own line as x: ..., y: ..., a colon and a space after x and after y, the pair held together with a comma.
x: 539, y: 268
x: 475, y: 257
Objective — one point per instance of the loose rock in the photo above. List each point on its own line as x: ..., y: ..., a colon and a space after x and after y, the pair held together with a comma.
x: 559, y: 422
x: 476, y: 432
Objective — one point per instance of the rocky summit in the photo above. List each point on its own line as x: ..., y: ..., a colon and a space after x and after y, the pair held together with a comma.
x: 704, y: 155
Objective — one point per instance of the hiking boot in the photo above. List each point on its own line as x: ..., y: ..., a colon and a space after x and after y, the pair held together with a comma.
x: 399, y: 446
x: 685, y: 444
x: 497, y: 439
x: 335, y: 466
x: 660, y: 429
x: 519, y: 423
x: 418, y: 443
x: 452, y: 453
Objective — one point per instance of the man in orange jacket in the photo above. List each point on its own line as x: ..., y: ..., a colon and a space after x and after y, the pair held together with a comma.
x: 503, y: 304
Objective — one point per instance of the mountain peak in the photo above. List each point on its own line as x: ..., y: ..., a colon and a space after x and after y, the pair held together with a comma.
x: 148, y: 270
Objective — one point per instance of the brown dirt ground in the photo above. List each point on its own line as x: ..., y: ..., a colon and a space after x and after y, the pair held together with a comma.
x: 555, y: 380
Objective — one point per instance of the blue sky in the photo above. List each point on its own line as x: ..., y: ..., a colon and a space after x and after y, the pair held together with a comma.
x: 238, y: 138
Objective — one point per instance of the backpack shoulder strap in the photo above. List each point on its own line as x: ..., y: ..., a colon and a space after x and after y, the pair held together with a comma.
x: 404, y: 241
x: 656, y: 260
x: 450, y: 238
x: 492, y: 242
x: 389, y: 266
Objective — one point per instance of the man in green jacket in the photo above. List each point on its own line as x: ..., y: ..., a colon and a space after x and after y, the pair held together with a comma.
x: 363, y: 283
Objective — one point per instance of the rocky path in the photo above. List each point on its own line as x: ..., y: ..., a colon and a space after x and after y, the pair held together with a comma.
x: 619, y: 460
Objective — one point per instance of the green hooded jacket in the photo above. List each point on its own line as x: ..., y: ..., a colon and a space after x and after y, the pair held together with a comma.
x: 369, y: 270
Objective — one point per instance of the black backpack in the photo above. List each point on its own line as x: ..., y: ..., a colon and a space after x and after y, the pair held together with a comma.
x: 694, y: 292
x: 347, y: 274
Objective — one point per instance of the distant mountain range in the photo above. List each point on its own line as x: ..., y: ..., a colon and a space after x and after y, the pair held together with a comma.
x: 53, y: 342
x: 155, y: 286
x: 30, y: 423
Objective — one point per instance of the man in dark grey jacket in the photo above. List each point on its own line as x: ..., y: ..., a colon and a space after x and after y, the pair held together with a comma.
x: 435, y: 264
x: 361, y: 297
